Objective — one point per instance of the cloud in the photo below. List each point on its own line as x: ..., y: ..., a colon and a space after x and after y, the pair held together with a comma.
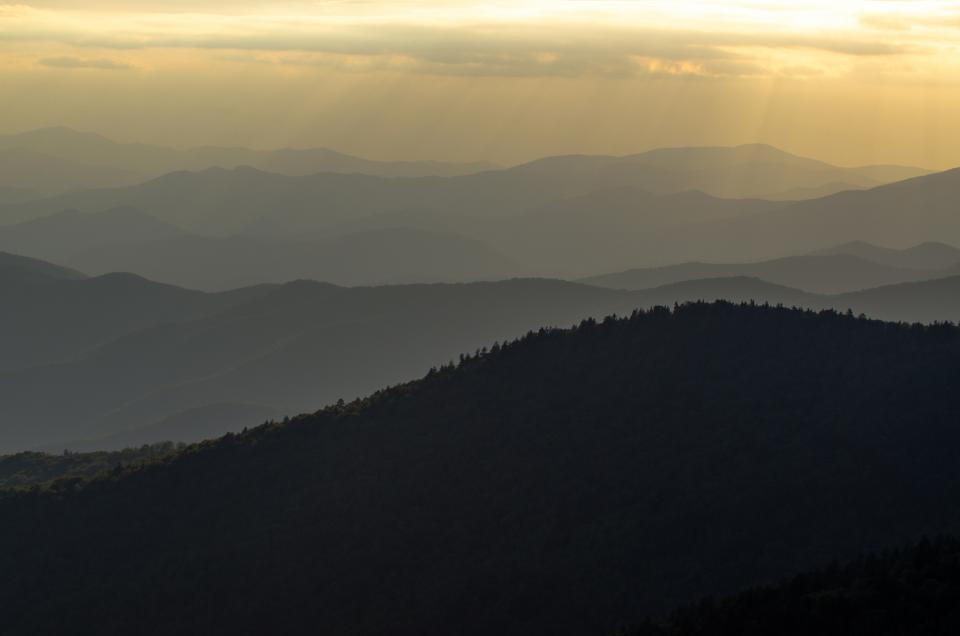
x: 81, y: 63
x: 353, y: 36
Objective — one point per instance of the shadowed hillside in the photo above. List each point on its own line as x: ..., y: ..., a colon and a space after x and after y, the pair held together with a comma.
x: 20, y: 270
x: 32, y: 470
x: 72, y: 315
x: 892, y: 593
x: 563, y: 484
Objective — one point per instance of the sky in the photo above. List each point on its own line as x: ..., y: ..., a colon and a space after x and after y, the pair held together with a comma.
x: 848, y: 81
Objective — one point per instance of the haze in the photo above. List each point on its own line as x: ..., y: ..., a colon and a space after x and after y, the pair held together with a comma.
x: 859, y: 82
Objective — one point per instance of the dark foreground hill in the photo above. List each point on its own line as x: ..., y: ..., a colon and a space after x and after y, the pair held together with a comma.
x: 564, y: 484
x: 896, y: 592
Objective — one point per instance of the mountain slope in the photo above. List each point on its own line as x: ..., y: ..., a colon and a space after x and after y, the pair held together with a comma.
x: 18, y: 270
x: 63, y: 235
x: 193, y: 425
x: 25, y: 169
x: 903, y: 213
x: 746, y: 171
x: 913, y: 590
x: 923, y: 301
x: 395, y: 255
x: 64, y: 318
x: 609, y: 228
x: 825, y: 274
x: 560, y: 485
x: 925, y: 256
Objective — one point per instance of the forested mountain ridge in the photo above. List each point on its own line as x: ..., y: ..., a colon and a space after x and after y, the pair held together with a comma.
x: 897, y: 592
x: 40, y: 470
x: 561, y: 484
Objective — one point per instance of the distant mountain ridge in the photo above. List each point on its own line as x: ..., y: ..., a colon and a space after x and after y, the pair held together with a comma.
x: 925, y: 256
x: 127, y: 240
x: 148, y: 161
x: 745, y: 171
x: 62, y: 236
x: 828, y: 272
x: 34, y: 172
x: 905, y: 213
x: 22, y: 270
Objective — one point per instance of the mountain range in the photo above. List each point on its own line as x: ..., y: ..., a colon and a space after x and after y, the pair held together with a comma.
x: 831, y: 271
x: 52, y: 160
x: 561, y: 217
x: 924, y: 256
x: 16, y: 271
x: 126, y: 240
x: 121, y: 354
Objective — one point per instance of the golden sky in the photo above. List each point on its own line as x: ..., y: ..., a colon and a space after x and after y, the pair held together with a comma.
x: 849, y: 81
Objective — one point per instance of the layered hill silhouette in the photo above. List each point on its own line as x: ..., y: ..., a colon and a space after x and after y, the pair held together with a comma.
x: 16, y: 270
x: 731, y: 172
x: 925, y: 256
x: 565, y: 483
x: 36, y: 174
x: 899, y: 214
x: 127, y: 240
x: 72, y: 315
x: 751, y: 170
x: 85, y: 152
x: 171, y: 350
x: 570, y: 216
x: 832, y: 273
x: 747, y: 171
x: 372, y: 257
x: 61, y: 237
x: 219, y: 201
x: 514, y: 215
x: 608, y: 228
x: 90, y: 359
